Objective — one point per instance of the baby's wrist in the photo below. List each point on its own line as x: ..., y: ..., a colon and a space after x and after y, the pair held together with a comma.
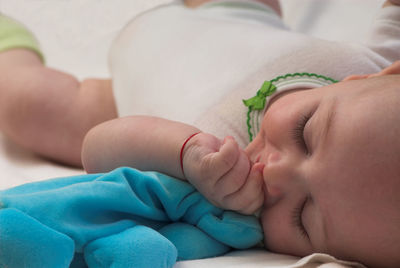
x: 185, y: 146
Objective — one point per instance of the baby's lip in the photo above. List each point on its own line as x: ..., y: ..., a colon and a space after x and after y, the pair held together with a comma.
x: 266, y: 196
x: 269, y: 199
x: 259, y: 167
x: 271, y: 196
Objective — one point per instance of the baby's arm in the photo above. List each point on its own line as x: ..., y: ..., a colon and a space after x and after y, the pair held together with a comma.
x: 220, y: 170
x: 142, y: 142
x: 49, y: 111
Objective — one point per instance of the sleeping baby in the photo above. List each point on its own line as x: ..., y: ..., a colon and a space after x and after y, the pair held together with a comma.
x: 322, y: 169
x: 288, y: 131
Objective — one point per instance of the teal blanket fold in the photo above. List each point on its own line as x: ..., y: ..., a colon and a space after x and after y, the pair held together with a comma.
x: 124, y: 218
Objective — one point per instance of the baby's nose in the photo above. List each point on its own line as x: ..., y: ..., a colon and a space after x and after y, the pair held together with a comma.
x: 279, y: 177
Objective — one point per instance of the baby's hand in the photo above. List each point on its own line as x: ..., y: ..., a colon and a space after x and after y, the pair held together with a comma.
x: 391, y: 3
x: 222, y: 172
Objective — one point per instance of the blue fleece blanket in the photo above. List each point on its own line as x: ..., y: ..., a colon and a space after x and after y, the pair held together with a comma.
x: 125, y: 218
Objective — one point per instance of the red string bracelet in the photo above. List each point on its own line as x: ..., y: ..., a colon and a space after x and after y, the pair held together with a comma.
x: 183, y: 148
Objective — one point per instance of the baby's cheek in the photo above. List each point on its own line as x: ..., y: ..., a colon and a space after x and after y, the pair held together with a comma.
x: 271, y: 232
x: 278, y: 237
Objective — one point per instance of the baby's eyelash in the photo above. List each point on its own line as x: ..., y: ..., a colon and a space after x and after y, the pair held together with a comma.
x: 298, y: 132
x: 296, y: 218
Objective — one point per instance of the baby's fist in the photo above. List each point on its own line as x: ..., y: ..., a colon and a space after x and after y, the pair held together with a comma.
x: 222, y: 172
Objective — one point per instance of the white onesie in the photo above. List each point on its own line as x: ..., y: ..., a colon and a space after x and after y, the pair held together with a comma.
x: 197, y: 65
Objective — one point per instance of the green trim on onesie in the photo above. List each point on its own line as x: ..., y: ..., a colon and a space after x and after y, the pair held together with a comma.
x: 237, y: 4
x: 14, y: 35
x: 257, y: 104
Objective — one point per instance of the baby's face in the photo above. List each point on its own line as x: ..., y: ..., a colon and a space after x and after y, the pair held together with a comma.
x: 332, y: 171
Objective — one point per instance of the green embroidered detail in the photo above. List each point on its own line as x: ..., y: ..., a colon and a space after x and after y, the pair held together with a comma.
x: 276, y: 79
x: 248, y: 124
x: 257, y: 103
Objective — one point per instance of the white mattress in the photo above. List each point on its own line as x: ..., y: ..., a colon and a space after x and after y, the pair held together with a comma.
x: 76, y: 35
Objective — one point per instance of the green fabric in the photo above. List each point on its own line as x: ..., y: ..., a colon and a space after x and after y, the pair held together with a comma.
x: 256, y: 104
x: 14, y: 35
x: 233, y: 4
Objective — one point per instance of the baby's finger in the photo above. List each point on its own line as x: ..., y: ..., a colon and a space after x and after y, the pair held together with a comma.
x: 225, y: 159
x: 213, y: 167
x: 235, y: 178
x: 250, y: 197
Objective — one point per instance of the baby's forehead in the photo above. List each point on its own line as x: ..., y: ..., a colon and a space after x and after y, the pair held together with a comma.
x: 370, y: 123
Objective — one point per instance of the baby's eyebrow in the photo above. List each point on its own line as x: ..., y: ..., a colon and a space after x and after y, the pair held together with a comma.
x: 328, y: 119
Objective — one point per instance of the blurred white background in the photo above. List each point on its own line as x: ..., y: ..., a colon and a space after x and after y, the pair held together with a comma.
x: 76, y: 35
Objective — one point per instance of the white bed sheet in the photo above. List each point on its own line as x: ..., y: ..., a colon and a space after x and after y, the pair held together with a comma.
x: 76, y: 35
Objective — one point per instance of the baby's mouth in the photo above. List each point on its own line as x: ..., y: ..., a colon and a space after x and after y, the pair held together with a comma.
x: 267, y: 198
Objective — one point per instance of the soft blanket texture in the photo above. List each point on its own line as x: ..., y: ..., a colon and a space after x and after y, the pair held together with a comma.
x: 124, y: 218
